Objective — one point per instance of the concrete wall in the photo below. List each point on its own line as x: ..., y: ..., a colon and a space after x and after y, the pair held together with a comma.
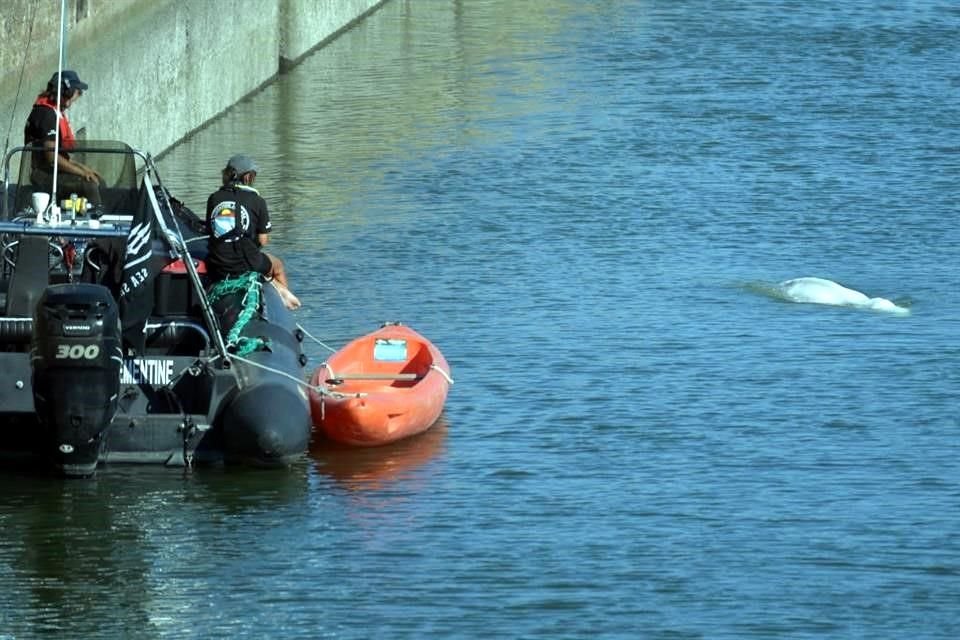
x: 309, y: 24
x: 158, y: 69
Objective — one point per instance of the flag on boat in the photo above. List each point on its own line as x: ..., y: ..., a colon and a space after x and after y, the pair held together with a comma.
x: 140, y: 269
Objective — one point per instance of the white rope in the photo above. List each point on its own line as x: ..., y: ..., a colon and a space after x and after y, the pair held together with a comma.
x: 443, y: 373
x: 320, y: 389
x: 308, y: 334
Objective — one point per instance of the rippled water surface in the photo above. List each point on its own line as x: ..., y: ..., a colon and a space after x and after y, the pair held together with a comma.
x: 584, y: 205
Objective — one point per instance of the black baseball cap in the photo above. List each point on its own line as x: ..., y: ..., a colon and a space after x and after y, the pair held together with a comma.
x: 70, y: 80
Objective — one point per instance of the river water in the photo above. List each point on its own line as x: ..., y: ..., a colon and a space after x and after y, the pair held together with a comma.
x: 586, y: 206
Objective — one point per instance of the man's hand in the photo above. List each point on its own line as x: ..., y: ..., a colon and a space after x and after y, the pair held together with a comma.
x: 88, y: 174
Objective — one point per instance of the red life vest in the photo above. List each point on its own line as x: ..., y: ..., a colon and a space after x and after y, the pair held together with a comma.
x: 67, y: 139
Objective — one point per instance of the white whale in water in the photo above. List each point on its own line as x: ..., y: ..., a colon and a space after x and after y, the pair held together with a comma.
x: 823, y: 291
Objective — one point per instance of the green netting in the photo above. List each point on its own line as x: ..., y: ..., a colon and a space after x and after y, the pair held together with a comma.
x: 249, y: 285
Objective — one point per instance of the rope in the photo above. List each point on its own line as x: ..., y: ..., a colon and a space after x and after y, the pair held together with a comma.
x: 307, y: 333
x: 23, y: 66
x: 320, y: 389
x: 231, y: 286
x: 446, y: 376
x: 443, y: 373
x: 326, y: 365
x: 249, y: 285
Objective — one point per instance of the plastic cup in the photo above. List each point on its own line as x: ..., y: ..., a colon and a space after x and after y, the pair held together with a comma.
x: 40, y: 201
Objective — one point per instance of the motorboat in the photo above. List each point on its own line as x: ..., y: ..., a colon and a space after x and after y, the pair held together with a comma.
x: 115, y: 345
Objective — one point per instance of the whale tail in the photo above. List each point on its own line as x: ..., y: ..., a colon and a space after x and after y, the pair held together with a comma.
x: 888, y: 306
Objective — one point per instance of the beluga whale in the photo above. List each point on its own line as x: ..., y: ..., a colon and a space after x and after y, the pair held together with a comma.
x: 823, y: 291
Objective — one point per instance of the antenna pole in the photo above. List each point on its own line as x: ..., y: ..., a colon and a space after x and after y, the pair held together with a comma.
x: 56, y: 138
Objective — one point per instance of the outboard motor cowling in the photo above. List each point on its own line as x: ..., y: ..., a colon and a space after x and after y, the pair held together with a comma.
x: 76, y: 357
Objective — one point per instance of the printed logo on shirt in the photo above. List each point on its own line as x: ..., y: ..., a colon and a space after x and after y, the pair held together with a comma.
x: 224, y: 219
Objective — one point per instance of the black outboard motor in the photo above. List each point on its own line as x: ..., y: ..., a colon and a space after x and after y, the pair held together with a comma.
x: 76, y: 358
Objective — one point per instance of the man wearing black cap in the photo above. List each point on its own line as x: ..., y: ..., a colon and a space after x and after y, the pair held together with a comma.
x: 239, y: 224
x: 44, y: 124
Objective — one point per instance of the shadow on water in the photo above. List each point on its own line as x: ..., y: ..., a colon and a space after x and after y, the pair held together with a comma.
x: 69, y: 544
x: 370, y: 468
x: 76, y: 552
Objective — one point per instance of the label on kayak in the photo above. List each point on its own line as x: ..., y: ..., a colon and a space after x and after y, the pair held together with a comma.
x: 390, y: 349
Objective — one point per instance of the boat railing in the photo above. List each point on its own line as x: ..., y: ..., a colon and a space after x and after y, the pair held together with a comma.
x: 178, y: 245
x: 120, y: 171
x: 169, y: 331
x: 59, y: 237
x: 119, y: 165
x: 19, y: 330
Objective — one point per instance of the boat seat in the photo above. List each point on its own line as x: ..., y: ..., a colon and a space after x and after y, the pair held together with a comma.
x: 30, y: 276
x: 178, y: 266
x: 402, y: 377
x: 174, y: 294
x: 377, y: 376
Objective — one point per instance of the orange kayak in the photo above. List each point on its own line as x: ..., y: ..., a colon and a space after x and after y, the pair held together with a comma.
x: 380, y: 388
